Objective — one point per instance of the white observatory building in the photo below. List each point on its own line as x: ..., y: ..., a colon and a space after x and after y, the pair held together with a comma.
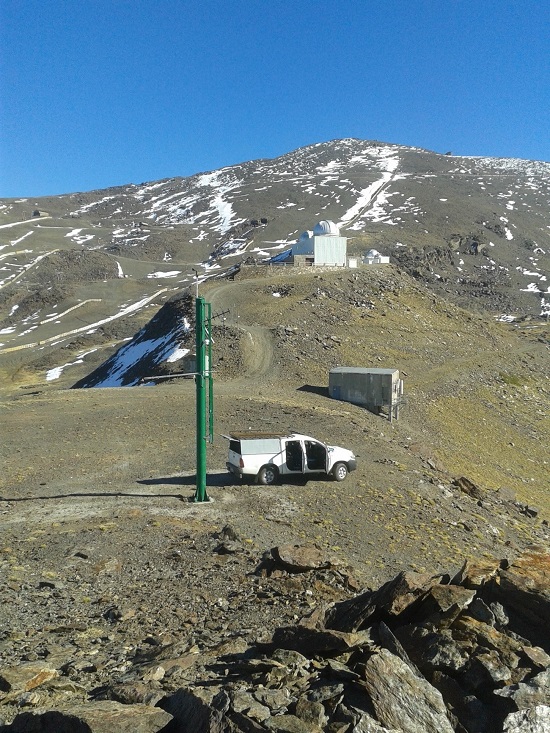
x: 322, y: 246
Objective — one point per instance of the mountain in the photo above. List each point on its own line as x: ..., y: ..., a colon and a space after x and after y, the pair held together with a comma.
x: 83, y: 271
x: 122, y: 592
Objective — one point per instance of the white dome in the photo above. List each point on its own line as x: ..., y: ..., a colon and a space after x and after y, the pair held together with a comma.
x: 324, y: 228
x: 372, y: 253
x: 305, y: 235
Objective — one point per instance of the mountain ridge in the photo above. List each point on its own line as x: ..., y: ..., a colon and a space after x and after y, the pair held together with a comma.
x: 427, y: 211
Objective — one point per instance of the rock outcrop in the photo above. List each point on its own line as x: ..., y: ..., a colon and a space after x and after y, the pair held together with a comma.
x: 422, y: 654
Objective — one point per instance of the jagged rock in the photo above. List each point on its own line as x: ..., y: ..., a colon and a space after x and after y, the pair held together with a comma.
x: 311, y: 712
x: 486, y: 670
x: 390, y: 600
x: 479, y: 610
x: 524, y: 591
x: 192, y: 711
x: 291, y: 659
x: 468, y: 487
x: 290, y: 724
x: 445, y: 602
x: 537, y: 656
x: 475, y: 573
x: 403, y: 700
x: 300, y: 558
x: 434, y: 650
x: 535, y: 691
x: 501, y: 617
x: 312, y: 642
x: 25, y: 677
x: 276, y: 700
x: 241, y: 723
x: 339, y: 671
x: 487, y: 637
x: 366, y: 724
x: 98, y: 717
x: 323, y: 692
x: 533, y: 720
x: 470, y: 712
x: 132, y: 693
x: 392, y: 644
x: 243, y: 702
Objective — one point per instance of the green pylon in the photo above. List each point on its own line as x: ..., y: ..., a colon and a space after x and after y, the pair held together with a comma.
x: 202, y: 341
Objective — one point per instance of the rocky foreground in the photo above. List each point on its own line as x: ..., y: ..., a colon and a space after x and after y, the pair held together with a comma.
x: 423, y: 653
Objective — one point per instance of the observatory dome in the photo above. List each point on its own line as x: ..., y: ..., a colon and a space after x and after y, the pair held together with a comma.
x: 305, y: 235
x: 326, y: 228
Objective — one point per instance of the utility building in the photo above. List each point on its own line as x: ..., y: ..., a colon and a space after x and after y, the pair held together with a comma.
x: 375, y: 389
x: 322, y: 246
x: 373, y: 257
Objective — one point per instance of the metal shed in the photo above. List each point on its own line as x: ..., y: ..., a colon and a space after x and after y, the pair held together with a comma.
x: 375, y: 389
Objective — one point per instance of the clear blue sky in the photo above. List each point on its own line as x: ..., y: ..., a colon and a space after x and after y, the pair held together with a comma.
x: 97, y: 93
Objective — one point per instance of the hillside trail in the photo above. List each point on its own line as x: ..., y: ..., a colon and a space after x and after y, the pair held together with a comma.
x: 259, y: 351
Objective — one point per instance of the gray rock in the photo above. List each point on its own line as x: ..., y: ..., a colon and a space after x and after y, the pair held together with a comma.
x: 300, y: 558
x: 290, y: 724
x: 26, y: 677
x: 291, y: 659
x: 479, y: 610
x: 325, y: 692
x: 486, y: 670
x: 192, y: 711
x: 537, y: 656
x: 524, y: 590
x: 312, y: 641
x: 243, y: 702
x: 403, y: 700
x: 535, y: 691
x: 392, y: 599
x: 533, y: 720
x: 276, y: 700
x: 499, y: 612
x: 311, y: 712
x: 366, y: 724
x: 98, y: 717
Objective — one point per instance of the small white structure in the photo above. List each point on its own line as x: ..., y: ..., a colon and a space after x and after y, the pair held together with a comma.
x: 373, y: 257
x: 322, y: 246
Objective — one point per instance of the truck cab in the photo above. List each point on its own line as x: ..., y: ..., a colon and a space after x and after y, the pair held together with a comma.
x: 266, y: 457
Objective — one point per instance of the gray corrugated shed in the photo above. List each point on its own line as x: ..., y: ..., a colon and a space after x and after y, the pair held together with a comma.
x: 362, y: 370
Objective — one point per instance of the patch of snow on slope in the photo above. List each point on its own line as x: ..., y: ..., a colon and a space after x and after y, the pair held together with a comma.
x: 87, y: 207
x: 56, y: 372
x: 177, y: 354
x: 16, y: 241
x: 172, y: 273
x: 163, y: 348
x: 372, y: 195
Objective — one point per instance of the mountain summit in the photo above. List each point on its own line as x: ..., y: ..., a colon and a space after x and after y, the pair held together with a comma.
x: 91, y: 266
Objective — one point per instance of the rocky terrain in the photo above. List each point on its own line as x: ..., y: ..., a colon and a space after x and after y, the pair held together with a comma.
x: 411, y: 597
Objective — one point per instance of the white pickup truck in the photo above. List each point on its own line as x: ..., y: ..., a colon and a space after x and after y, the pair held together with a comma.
x: 269, y: 456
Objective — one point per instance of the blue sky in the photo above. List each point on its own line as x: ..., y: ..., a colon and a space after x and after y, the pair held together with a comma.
x: 98, y: 93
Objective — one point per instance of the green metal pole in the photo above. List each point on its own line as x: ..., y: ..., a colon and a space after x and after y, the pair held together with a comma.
x: 200, y: 381
x: 210, y: 379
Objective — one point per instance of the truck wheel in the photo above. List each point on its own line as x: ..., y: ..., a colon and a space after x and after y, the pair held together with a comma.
x: 340, y: 471
x: 268, y: 475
